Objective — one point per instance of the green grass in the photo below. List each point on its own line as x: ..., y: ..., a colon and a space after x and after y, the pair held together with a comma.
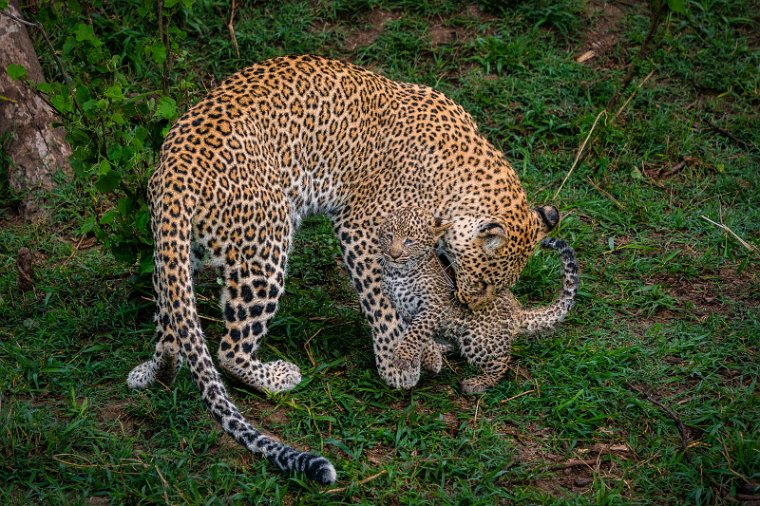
x: 669, y: 302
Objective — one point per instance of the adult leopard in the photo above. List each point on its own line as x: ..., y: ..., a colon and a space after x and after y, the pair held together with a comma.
x: 295, y: 136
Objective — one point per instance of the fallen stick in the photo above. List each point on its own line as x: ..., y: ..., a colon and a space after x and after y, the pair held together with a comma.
x: 365, y: 480
x: 573, y: 463
x: 744, y: 243
x: 603, y: 112
x: 672, y: 414
x: 518, y: 395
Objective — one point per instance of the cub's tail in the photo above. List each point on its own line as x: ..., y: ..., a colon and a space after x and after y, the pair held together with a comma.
x: 178, y: 320
x: 547, y: 317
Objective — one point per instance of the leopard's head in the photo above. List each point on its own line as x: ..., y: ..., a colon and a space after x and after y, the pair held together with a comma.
x: 409, y: 234
x: 488, y: 253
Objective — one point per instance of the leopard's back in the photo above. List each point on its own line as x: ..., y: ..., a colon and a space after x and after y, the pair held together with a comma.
x: 319, y: 130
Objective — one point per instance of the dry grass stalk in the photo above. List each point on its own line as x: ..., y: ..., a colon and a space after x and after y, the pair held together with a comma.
x: 741, y: 241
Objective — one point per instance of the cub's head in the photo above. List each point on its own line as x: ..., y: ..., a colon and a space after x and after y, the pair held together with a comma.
x: 489, y: 253
x: 410, y: 233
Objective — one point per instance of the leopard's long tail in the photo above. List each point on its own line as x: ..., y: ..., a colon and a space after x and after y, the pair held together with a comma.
x: 547, y: 317
x: 172, y: 231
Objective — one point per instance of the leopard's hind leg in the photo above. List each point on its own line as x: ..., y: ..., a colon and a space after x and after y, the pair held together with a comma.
x: 487, y: 346
x: 164, y: 365
x: 254, y: 260
x: 490, y: 374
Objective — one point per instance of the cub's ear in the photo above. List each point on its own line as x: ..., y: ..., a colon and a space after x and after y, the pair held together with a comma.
x: 548, y: 217
x: 439, y: 228
x: 493, y: 236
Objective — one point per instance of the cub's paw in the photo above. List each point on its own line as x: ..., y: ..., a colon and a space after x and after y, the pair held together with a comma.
x: 399, y: 378
x: 277, y: 376
x: 406, y: 357
x: 432, y: 356
x: 474, y: 385
x: 404, y: 364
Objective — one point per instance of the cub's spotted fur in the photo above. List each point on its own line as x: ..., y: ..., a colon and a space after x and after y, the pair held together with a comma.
x: 417, y: 285
x: 295, y: 136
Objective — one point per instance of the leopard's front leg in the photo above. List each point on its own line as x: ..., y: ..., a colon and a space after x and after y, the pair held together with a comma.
x: 417, y: 346
x: 361, y: 256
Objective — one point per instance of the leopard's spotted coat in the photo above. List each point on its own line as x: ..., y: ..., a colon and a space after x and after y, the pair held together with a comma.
x: 295, y: 136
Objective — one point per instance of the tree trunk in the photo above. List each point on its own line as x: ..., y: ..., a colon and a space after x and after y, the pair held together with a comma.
x: 37, y: 149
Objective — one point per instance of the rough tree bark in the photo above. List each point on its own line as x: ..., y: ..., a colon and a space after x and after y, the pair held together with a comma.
x: 37, y: 149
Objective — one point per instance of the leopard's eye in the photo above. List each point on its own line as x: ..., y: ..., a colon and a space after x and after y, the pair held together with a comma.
x: 389, y: 236
x: 409, y: 242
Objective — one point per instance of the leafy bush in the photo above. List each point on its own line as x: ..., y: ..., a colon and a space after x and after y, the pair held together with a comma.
x: 116, y: 127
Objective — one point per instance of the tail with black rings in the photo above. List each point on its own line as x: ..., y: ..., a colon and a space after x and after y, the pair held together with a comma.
x: 177, y: 311
x: 571, y: 277
x: 546, y: 318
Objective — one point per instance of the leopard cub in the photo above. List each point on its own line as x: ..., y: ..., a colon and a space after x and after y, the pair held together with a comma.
x: 416, y: 283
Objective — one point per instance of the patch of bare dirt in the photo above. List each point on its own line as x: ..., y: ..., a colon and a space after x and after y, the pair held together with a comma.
x: 380, y: 454
x: 441, y: 34
x: 116, y: 412
x: 706, y: 293
x: 475, y: 13
x: 441, y: 31
x: 558, y: 475
x: 605, y: 31
x: 263, y: 413
x: 376, y: 20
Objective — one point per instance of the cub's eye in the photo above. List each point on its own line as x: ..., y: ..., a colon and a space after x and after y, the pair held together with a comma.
x: 389, y: 236
x: 409, y: 242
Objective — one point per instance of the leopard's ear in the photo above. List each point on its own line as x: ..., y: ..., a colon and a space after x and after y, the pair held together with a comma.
x: 439, y: 228
x: 493, y: 235
x: 548, y: 218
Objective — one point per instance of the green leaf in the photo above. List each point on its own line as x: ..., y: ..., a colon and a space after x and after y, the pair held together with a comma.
x: 142, y: 219
x: 108, y: 182
x: 125, y: 205
x: 16, y: 71
x: 104, y: 167
x: 47, y: 88
x: 3, y: 5
x: 62, y: 103
x: 678, y: 6
x: 146, y: 264
x: 124, y: 252
x: 82, y: 93
x: 158, y: 53
x: 166, y: 108
x: 114, y: 92
x: 87, y: 226
x: 85, y: 33
x: 109, y: 216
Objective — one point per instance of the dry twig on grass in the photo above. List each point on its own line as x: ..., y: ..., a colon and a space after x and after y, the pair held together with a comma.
x: 579, y: 153
x: 672, y: 414
x: 518, y: 395
x: 744, y: 243
x: 231, y: 28
x: 365, y: 480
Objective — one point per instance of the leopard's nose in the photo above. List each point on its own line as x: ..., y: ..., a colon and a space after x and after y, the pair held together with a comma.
x: 394, y: 251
